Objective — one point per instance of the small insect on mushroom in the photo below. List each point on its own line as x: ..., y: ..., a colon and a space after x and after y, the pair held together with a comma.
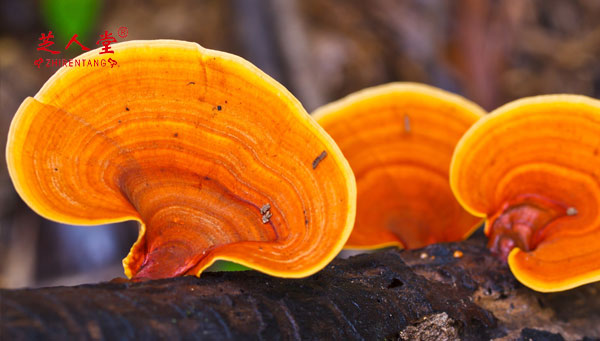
x: 531, y: 169
x: 118, y: 164
x: 399, y: 140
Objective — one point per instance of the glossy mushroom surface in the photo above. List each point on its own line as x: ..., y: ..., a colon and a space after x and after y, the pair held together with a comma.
x: 532, y: 168
x: 214, y: 158
x: 399, y: 140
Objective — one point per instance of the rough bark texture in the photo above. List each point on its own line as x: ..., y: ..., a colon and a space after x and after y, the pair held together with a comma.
x: 426, y: 294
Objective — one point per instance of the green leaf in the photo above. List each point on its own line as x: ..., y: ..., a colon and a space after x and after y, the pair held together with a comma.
x: 222, y: 265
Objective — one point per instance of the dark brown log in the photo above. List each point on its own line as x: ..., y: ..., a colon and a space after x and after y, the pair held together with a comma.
x: 427, y: 294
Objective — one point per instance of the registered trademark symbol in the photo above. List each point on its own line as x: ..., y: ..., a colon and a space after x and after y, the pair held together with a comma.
x: 123, y: 32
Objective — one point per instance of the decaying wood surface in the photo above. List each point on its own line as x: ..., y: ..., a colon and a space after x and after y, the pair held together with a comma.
x: 427, y: 294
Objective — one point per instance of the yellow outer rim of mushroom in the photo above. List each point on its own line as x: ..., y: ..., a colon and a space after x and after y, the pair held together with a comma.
x: 331, y: 111
x: 541, y: 286
x: 374, y: 247
x: 475, y: 131
x: 243, y: 66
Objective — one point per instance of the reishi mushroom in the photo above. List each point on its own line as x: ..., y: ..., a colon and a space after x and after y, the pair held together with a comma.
x: 213, y: 157
x: 532, y: 168
x: 399, y: 140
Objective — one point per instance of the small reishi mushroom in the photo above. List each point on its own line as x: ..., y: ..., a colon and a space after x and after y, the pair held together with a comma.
x: 399, y: 140
x: 212, y: 157
x: 532, y: 168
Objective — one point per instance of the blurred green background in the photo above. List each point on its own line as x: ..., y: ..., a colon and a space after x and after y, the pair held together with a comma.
x: 489, y: 51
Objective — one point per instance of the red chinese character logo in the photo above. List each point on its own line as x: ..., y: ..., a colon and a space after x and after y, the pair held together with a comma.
x: 38, y: 62
x: 106, y: 40
x: 43, y: 46
x: 112, y: 62
x: 74, y: 40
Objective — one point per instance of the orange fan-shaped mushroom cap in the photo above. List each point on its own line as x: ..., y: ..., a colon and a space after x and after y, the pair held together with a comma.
x: 215, y: 159
x: 399, y: 140
x: 532, y: 167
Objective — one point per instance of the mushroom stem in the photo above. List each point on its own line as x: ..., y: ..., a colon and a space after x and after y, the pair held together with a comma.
x: 522, y: 222
x: 186, y: 216
x: 171, y: 259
